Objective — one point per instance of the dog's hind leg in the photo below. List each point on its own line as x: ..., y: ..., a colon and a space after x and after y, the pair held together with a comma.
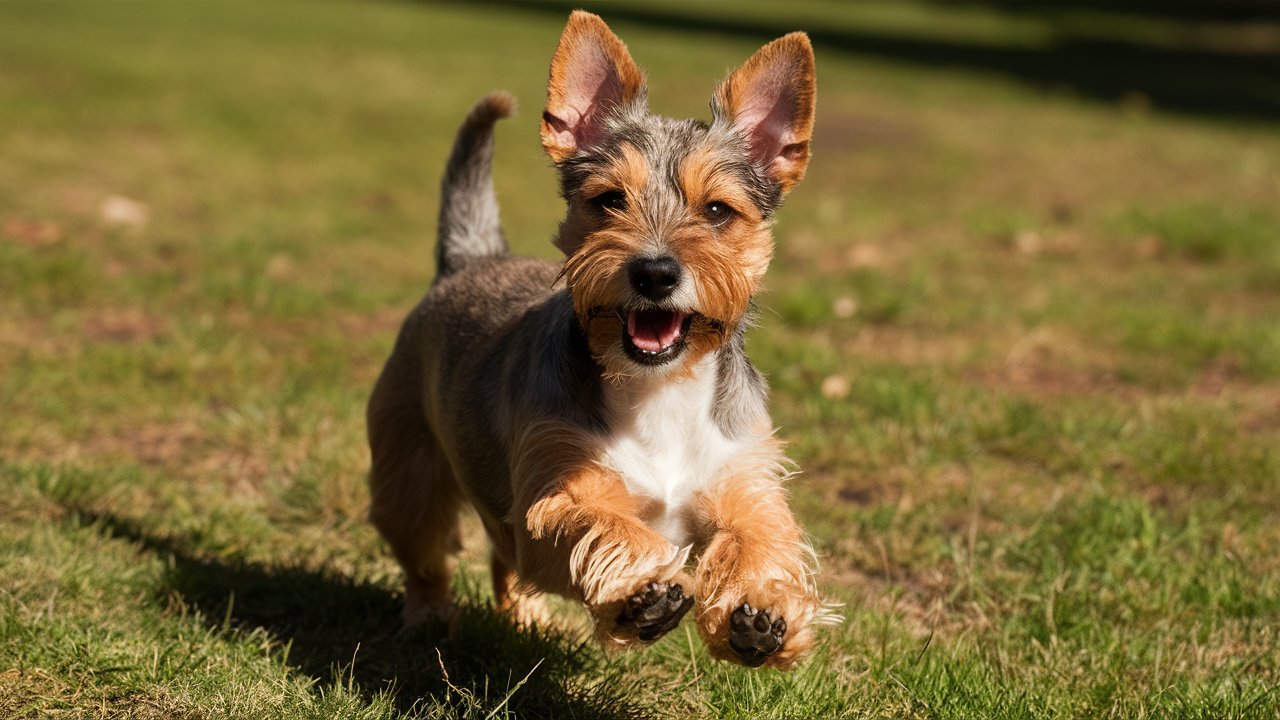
x: 522, y: 606
x: 415, y: 497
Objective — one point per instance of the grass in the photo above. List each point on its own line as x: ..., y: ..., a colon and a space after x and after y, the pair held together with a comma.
x: 1021, y: 328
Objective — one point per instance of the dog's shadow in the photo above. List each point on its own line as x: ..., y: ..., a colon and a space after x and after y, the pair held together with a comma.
x: 332, y: 627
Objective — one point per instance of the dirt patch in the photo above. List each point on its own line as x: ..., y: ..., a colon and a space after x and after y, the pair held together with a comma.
x: 1256, y: 406
x: 1047, y: 380
x: 1218, y: 376
x: 184, y: 449
x: 1260, y: 409
x: 124, y: 325
x: 906, y: 346
x: 1050, y: 363
x: 23, y: 690
x: 32, y: 233
x: 159, y: 444
x: 918, y: 599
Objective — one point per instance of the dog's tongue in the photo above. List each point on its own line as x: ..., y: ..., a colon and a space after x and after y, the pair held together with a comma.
x: 654, y: 330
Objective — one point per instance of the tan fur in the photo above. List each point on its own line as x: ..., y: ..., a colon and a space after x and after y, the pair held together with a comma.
x: 794, y: 54
x: 727, y: 262
x: 415, y: 498
x: 519, y: 603
x: 593, y: 270
x: 756, y: 553
x: 487, y: 397
x: 731, y: 262
x: 575, y: 509
x: 584, y: 35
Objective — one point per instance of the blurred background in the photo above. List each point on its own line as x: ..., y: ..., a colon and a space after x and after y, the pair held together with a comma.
x: 1023, y: 330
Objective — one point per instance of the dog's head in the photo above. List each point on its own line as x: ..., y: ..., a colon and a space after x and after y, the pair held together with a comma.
x: 667, y: 234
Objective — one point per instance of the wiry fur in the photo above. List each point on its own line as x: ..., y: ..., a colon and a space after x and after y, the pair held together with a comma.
x: 469, y: 225
x: 509, y: 387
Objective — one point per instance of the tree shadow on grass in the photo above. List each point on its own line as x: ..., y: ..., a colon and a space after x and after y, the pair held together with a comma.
x: 1097, y: 55
x: 337, y: 627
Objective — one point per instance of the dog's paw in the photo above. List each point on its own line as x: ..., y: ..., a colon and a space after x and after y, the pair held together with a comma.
x: 754, y: 635
x: 655, y: 610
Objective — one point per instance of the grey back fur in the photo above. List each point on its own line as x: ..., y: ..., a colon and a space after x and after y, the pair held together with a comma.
x: 469, y: 226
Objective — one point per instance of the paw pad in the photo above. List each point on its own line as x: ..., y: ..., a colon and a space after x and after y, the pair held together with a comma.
x: 754, y: 635
x: 655, y: 610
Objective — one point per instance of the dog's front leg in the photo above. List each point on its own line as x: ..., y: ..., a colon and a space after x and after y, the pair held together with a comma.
x: 756, y: 595
x: 579, y: 534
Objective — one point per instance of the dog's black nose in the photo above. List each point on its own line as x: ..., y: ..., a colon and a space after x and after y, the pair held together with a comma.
x: 654, y: 278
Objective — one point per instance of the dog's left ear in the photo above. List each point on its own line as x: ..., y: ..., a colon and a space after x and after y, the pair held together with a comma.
x: 769, y: 101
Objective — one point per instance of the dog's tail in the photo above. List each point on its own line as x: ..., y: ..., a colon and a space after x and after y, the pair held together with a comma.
x: 469, y: 226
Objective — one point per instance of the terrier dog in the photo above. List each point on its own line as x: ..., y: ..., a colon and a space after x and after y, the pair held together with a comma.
x: 601, y: 414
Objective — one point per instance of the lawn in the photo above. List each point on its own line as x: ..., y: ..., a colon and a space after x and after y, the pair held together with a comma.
x: 1023, y: 333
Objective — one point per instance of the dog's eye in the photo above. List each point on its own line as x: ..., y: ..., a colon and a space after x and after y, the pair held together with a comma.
x: 718, y: 212
x: 613, y: 200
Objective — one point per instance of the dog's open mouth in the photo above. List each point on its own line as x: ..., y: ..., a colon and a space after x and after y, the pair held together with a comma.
x: 654, y: 337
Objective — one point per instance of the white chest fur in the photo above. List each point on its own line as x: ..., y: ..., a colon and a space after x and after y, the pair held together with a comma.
x: 665, y: 444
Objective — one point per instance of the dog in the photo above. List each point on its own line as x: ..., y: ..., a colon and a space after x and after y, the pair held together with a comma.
x: 600, y: 414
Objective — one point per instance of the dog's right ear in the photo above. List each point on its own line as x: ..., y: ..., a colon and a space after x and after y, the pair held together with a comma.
x: 591, y: 74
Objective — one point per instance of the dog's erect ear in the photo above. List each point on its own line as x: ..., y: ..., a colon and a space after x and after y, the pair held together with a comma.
x: 591, y: 74
x: 769, y: 101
